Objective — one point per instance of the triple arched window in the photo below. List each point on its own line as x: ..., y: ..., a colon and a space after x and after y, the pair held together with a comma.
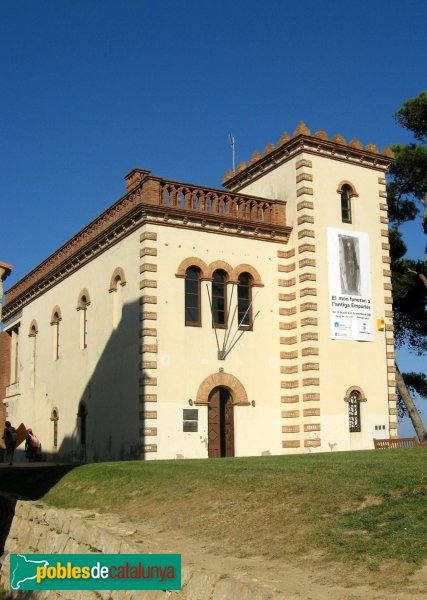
x: 218, y: 296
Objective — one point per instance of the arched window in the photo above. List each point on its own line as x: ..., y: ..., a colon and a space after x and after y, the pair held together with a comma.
x: 55, y: 321
x: 117, y: 282
x: 354, y: 411
x: 244, y: 300
x: 118, y: 277
x: 82, y: 305
x: 33, y: 331
x: 346, y: 203
x: 54, y: 417
x: 219, y: 298
x: 193, y: 297
x: 33, y: 335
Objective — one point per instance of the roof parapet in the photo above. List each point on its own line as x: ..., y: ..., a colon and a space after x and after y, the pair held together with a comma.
x: 337, y: 144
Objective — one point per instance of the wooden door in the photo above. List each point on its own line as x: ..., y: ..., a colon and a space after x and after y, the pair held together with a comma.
x: 220, y: 423
x: 228, y: 426
x: 214, y: 439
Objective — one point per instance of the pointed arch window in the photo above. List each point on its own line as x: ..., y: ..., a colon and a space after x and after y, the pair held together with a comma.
x: 244, y: 300
x: 219, y: 298
x: 193, y: 297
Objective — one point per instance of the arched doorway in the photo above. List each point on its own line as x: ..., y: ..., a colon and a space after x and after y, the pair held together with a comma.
x: 220, y: 423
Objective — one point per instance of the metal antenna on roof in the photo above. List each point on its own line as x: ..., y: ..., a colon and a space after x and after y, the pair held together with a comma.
x: 232, y: 143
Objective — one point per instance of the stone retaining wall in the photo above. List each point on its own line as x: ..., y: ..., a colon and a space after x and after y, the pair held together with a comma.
x: 39, y: 529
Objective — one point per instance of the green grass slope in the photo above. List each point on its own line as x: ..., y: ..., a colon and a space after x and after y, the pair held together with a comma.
x: 367, y: 507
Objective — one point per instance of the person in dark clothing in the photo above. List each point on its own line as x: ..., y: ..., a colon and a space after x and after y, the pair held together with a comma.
x: 9, y: 437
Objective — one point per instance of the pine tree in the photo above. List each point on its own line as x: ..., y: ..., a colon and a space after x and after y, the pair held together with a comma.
x: 407, y: 193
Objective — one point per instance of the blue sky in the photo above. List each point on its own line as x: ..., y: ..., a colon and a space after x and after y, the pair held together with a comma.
x: 91, y: 89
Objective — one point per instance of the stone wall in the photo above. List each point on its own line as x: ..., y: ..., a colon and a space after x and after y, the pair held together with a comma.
x: 35, y: 528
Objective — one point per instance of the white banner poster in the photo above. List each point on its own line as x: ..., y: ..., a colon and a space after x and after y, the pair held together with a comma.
x: 349, y: 285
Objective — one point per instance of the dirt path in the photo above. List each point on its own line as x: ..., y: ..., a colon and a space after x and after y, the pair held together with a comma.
x: 312, y: 580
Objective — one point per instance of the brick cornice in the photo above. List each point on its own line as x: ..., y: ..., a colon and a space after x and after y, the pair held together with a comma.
x: 258, y: 218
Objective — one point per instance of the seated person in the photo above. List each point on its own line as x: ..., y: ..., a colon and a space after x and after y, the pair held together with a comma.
x: 33, y: 447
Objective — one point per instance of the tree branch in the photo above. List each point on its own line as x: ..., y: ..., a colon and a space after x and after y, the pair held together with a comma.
x: 413, y: 413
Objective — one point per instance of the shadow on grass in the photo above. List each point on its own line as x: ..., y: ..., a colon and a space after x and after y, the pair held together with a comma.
x: 26, y: 483
x: 31, y: 483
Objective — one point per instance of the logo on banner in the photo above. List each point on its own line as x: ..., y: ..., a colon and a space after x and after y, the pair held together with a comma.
x: 95, y: 571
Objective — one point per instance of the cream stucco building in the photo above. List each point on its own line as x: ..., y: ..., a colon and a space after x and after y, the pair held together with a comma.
x: 187, y: 322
